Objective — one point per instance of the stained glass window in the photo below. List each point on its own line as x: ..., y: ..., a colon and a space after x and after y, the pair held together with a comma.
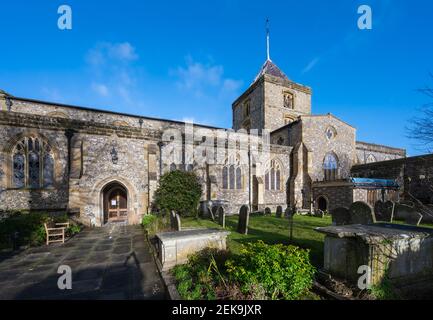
x: 33, y: 164
x: 238, y: 178
x: 34, y: 170
x: 232, y: 176
x: 19, y: 173
x: 225, y: 178
x: 273, y: 177
x: 48, y: 170
x: 330, y: 167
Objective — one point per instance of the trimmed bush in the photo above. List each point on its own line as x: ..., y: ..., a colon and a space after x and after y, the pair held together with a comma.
x: 179, y: 191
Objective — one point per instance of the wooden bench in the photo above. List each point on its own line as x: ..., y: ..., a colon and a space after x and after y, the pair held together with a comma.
x: 57, y: 233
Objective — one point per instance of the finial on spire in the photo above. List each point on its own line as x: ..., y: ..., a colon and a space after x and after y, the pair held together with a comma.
x: 268, y: 56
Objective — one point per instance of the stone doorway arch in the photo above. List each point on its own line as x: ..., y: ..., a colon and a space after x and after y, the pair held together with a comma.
x: 322, y: 203
x: 115, y: 203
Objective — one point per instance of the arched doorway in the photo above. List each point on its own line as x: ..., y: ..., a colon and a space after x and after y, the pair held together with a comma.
x: 322, y: 203
x: 115, y: 202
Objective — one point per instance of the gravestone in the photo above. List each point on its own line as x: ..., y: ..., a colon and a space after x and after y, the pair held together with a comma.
x: 215, y: 210
x: 172, y: 218
x: 268, y: 211
x: 319, y: 213
x: 340, y: 216
x: 409, y: 214
x: 279, y: 212
x: 175, y: 223
x: 361, y: 213
x: 243, y: 220
x: 221, y: 217
x: 289, y: 214
x: 388, y: 213
x: 379, y: 210
x: 211, y: 214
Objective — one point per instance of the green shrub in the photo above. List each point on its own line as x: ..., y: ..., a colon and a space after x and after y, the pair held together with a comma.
x: 283, y: 272
x: 154, y: 223
x: 72, y: 230
x: 147, y: 221
x: 179, y: 191
x: 260, y: 271
x: 201, y: 277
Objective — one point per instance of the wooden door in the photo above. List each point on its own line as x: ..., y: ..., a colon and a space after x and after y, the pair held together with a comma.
x: 117, y: 205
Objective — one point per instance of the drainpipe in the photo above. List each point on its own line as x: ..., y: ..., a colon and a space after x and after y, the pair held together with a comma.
x: 160, y: 144
x: 249, y: 180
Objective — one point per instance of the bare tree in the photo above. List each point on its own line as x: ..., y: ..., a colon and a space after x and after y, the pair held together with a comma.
x: 421, y: 126
x: 420, y: 130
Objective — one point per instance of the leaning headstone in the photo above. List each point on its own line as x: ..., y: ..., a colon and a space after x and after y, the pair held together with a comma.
x: 243, y: 220
x: 210, y: 212
x: 177, y: 225
x: 221, y: 217
x: 379, y: 210
x: 279, y: 212
x: 361, y: 213
x: 172, y: 217
x: 215, y: 210
x: 340, y: 216
x: 268, y: 211
x: 409, y: 214
x: 175, y: 221
x: 388, y: 212
x: 287, y: 212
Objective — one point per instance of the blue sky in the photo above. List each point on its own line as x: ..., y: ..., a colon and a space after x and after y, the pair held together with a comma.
x: 191, y: 59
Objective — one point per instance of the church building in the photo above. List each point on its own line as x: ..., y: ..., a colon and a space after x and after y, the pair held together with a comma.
x: 104, y: 166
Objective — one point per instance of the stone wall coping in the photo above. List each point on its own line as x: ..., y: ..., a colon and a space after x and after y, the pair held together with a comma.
x: 377, y: 232
x: 368, y: 146
x: 107, y: 112
x: 191, y: 234
x: 335, y: 183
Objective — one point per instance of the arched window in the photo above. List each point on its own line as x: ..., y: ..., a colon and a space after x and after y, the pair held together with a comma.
x: 371, y: 159
x: 330, y: 167
x: 232, y: 175
x: 273, y: 176
x: 32, y: 164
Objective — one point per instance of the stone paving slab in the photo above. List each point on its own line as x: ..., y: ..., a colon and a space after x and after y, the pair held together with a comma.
x: 106, y: 263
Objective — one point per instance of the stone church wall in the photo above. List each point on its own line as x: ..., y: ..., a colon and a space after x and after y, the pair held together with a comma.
x: 55, y: 198
x: 276, y: 114
x: 413, y: 174
x: 380, y: 153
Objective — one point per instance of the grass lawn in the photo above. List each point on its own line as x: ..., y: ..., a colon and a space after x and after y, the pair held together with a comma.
x: 271, y: 230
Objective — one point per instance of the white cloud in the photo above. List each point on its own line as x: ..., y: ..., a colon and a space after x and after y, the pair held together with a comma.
x: 311, y: 65
x: 122, y: 51
x: 100, y: 89
x: 103, y: 52
x: 112, y: 71
x: 204, y: 79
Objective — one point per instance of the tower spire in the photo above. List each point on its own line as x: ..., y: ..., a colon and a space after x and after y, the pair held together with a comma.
x: 268, y: 56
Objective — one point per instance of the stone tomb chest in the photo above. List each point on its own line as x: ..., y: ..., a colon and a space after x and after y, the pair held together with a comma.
x: 401, y: 253
x: 175, y: 247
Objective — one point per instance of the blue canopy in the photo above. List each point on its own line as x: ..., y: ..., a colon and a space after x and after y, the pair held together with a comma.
x: 375, y: 183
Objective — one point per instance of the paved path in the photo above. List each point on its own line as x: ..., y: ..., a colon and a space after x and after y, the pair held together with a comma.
x: 107, y: 263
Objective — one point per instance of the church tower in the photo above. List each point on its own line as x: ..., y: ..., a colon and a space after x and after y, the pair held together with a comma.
x: 271, y: 101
